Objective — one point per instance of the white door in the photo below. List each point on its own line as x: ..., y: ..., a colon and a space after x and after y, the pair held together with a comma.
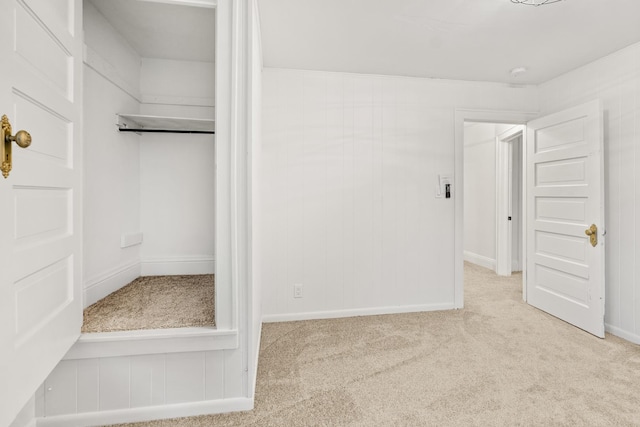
x: 40, y: 216
x: 565, y: 272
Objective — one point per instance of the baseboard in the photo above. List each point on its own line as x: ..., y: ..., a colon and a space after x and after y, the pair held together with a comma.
x: 149, y: 413
x: 177, y: 266
x: 108, y: 282
x: 621, y: 333
x: 334, y: 314
x: 480, y: 260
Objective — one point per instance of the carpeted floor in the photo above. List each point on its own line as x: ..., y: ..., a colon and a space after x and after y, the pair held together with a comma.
x: 497, y: 362
x: 154, y: 302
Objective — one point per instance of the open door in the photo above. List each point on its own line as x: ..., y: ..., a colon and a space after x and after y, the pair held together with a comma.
x: 565, y: 216
x: 40, y: 199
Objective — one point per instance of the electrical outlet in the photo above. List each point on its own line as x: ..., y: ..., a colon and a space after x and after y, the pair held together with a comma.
x: 297, y: 290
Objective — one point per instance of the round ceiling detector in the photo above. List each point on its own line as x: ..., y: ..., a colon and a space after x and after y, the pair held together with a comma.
x: 518, y: 71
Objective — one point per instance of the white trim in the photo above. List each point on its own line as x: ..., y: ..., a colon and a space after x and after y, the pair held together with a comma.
x: 254, y: 380
x: 148, y: 413
x: 195, y: 3
x: 178, y: 100
x: 621, y: 333
x: 110, y: 281
x: 480, y: 260
x: 487, y: 116
x: 334, y: 314
x: 226, y: 287
x: 172, y: 266
x: 504, y: 240
x: 152, y: 341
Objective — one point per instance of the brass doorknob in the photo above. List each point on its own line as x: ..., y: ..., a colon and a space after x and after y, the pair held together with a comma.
x: 22, y: 138
x: 592, y: 232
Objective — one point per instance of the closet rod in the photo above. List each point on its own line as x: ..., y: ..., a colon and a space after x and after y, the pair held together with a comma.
x: 210, y: 132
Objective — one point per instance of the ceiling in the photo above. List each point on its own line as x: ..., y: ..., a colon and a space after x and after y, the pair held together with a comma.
x: 163, y: 30
x: 479, y: 40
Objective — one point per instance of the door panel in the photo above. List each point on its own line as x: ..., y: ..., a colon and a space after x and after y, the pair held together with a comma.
x: 565, y: 274
x: 40, y: 222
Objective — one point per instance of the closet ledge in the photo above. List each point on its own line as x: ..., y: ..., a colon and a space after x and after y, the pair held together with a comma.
x: 141, y: 123
x: 153, y: 341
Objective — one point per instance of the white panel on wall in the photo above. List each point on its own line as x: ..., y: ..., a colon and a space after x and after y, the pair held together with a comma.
x: 349, y: 166
x: 184, y: 377
x: 141, y: 381
x: 214, y: 374
x: 60, y: 389
x: 115, y: 383
x: 158, y: 375
x: 114, y: 388
x: 87, y: 385
x: 615, y: 80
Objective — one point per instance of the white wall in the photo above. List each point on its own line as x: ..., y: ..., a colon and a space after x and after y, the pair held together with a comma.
x: 112, y: 159
x: 177, y: 171
x: 480, y: 194
x: 615, y: 80
x: 349, y: 207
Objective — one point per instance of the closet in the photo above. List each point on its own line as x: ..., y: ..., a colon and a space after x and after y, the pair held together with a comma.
x: 149, y: 152
x: 157, y: 202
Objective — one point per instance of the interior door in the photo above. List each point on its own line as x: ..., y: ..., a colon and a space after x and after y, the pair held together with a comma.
x: 40, y: 200
x: 565, y: 184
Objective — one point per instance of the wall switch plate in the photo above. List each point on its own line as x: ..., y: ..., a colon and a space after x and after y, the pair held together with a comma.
x: 297, y: 290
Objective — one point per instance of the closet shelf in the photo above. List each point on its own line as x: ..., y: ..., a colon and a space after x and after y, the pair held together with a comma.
x: 140, y: 123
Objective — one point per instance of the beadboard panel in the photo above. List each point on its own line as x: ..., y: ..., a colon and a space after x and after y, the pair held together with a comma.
x: 106, y: 384
x: 615, y: 80
x: 350, y: 164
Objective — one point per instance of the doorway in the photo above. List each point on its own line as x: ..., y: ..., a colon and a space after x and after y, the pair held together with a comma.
x: 509, y: 200
x: 563, y: 194
x: 474, y: 116
x: 493, y: 196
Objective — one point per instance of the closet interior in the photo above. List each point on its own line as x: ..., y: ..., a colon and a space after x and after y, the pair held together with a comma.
x: 149, y: 153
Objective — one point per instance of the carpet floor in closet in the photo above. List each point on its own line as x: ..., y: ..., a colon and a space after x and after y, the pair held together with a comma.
x: 154, y: 302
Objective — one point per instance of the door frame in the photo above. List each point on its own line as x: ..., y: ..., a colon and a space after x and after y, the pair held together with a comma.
x: 483, y: 116
x: 504, y: 203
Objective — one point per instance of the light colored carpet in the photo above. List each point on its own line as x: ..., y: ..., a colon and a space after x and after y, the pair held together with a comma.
x: 154, y: 302
x: 497, y: 362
